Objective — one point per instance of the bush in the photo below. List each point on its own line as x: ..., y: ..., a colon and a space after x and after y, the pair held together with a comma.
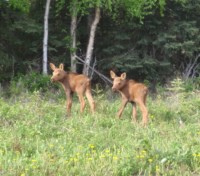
x: 31, y: 82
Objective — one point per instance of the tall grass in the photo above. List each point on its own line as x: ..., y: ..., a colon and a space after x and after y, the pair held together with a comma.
x: 38, y: 139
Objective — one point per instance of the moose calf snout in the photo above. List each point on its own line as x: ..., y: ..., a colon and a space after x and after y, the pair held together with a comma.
x: 114, y: 89
x: 52, y: 79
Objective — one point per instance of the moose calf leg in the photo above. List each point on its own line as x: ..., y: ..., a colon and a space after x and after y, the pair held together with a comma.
x: 124, y: 102
x: 91, y: 100
x: 144, y: 113
x: 68, y: 106
x: 134, y: 113
x: 82, y: 102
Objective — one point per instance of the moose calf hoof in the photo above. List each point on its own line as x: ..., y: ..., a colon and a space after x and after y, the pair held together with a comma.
x: 68, y: 115
x: 144, y: 124
x: 134, y: 121
x: 118, y: 116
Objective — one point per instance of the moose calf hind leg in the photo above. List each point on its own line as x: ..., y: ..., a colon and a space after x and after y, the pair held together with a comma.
x: 134, y: 113
x: 82, y: 102
x: 144, y: 113
x: 68, y: 106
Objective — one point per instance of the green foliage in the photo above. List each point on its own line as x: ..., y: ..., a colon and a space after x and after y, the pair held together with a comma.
x: 31, y: 82
x: 23, y: 5
x: 179, y: 105
x: 192, y: 84
x: 6, y: 65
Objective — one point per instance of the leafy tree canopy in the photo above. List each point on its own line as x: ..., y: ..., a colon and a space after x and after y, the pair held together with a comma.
x: 22, y: 5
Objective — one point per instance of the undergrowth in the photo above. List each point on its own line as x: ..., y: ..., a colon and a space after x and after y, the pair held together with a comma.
x: 37, y: 138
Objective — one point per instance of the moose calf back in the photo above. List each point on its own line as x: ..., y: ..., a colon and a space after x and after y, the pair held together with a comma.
x: 137, y: 91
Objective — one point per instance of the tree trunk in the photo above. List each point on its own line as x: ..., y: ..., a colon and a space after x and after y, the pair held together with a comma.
x: 45, y: 40
x: 73, y: 42
x: 90, y: 46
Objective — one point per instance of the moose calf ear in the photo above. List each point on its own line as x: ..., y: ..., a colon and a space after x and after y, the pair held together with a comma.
x: 61, y: 66
x: 123, y: 75
x: 112, y: 74
x: 52, y: 66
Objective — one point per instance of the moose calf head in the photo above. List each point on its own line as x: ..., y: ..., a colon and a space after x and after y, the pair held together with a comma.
x: 118, y: 81
x: 58, y: 73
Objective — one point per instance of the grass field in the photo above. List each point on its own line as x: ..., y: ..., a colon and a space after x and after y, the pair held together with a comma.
x: 38, y: 139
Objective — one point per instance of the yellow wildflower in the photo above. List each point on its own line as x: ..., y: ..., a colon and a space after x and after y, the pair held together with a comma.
x: 107, y: 151
x: 91, y: 146
x: 157, y: 169
x: 115, y: 158
x: 102, y: 156
x: 150, y: 160
x: 34, y: 167
x: 75, y: 159
x: 50, y: 145
x: 138, y: 156
x: 151, y: 116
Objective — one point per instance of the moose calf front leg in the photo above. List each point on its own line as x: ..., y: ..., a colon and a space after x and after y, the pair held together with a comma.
x: 124, y: 102
x: 68, y: 106
x: 69, y: 103
x: 90, y: 99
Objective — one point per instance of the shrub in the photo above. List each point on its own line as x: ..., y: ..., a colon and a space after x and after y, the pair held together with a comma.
x: 31, y: 82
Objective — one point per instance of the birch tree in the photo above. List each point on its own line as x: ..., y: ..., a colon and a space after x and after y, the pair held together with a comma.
x: 135, y: 8
x: 45, y: 39
x: 77, y: 8
x: 73, y: 28
x: 73, y: 42
x: 90, y: 45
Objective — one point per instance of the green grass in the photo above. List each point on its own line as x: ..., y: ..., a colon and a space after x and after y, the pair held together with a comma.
x: 38, y: 139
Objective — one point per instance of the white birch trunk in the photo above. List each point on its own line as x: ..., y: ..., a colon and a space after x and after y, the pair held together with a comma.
x: 73, y: 44
x: 45, y: 39
x: 90, y: 46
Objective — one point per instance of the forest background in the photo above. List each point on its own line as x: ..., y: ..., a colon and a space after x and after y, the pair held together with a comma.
x: 153, y: 42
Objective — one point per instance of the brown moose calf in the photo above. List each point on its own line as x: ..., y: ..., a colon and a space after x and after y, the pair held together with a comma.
x: 73, y: 82
x: 133, y: 92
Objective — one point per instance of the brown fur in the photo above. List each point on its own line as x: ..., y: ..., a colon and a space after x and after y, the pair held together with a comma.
x: 73, y: 82
x: 133, y: 92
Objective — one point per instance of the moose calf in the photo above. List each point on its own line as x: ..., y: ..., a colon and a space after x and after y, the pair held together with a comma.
x: 133, y: 92
x: 73, y: 82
